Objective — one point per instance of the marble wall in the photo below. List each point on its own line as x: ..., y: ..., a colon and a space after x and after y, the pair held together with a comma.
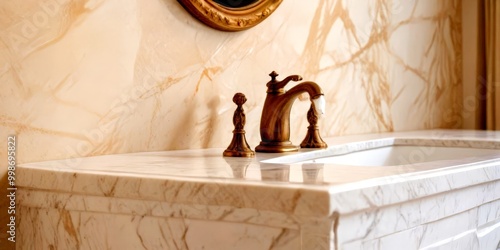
x: 93, y: 77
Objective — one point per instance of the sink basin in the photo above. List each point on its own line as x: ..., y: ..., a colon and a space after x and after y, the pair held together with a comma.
x: 402, y: 155
x: 389, y: 152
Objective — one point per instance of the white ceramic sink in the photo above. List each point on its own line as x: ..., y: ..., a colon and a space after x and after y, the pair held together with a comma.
x: 402, y: 155
x: 389, y: 152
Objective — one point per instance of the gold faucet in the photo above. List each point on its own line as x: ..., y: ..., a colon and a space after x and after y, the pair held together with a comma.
x: 275, y: 120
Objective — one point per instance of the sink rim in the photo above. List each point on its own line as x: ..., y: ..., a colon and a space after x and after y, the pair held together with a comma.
x: 360, y: 146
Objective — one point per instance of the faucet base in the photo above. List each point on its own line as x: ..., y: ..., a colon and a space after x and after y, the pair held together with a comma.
x: 239, y: 146
x: 313, y: 139
x: 276, y: 147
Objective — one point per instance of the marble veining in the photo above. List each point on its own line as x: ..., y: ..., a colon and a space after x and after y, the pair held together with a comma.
x: 174, y: 199
x: 92, y: 77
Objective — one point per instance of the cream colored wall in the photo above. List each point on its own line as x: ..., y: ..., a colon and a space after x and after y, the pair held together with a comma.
x: 99, y: 77
x: 93, y: 77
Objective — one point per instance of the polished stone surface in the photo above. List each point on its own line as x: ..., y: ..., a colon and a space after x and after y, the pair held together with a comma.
x: 93, y: 77
x: 180, y: 199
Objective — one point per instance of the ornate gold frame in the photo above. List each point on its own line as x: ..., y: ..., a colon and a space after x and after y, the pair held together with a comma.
x: 230, y: 19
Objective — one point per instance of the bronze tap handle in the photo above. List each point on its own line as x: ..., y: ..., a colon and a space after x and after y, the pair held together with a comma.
x: 239, y: 146
x: 239, y: 118
x: 313, y: 139
x: 277, y: 86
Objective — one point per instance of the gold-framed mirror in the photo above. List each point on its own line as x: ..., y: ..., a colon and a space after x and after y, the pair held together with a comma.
x: 230, y: 15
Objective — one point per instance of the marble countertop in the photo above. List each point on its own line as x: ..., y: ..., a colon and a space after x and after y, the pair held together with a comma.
x: 205, y: 177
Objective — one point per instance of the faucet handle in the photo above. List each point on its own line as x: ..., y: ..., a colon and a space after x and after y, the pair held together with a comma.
x: 239, y: 146
x: 275, y: 86
x: 313, y: 139
x: 273, y: 75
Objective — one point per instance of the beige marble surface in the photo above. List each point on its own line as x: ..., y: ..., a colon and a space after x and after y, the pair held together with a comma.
x: 208, y: 172
x: 92, y: 77
x: 176, y: 199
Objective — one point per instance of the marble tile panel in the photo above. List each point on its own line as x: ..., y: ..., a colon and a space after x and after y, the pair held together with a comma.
x: 381, y: 221
x: 91, y: 77
x: 64, y: 229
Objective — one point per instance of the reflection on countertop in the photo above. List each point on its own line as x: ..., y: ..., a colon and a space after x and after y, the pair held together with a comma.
x: 209, y: 163
x: 177, y: 199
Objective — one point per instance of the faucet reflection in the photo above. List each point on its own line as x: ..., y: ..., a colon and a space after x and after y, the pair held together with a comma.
x: 238, y: 166
x: 275, y: 120
x: 275, y: 172
x: 250, y: 169
x: 312, y: 173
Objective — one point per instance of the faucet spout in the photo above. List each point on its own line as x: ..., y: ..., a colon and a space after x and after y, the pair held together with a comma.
x: 275, y: 119
x: 311, y: 88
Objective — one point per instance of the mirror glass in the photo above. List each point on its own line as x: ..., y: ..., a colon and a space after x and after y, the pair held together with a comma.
x: 230, y: 15
x: 235, y: 3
